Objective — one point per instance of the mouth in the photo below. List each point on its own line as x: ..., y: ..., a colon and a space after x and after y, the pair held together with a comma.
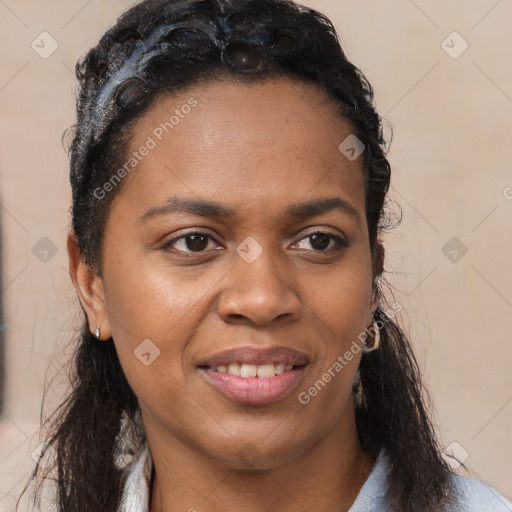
x: 255, y: 376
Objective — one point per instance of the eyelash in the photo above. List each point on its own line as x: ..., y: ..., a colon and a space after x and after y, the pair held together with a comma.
x: 168, y: 245
x: 340, y: 243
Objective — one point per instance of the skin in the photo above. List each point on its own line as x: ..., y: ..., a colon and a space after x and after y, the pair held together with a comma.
x: 256, y: 149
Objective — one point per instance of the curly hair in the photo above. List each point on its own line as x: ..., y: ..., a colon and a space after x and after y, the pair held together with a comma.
x: 161, y: 47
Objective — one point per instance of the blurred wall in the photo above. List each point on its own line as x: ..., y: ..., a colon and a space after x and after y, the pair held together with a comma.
x: 442, y: 78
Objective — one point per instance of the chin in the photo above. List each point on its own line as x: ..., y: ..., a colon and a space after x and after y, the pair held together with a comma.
x: 257, y: 453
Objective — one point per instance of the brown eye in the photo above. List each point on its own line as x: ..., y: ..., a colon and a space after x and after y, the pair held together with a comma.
x: 320, y: 241
x: 196, y: 242
x: 191, y: 242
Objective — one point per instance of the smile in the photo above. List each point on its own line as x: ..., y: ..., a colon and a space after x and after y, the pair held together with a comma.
x: 254, y: 390
x: 255, y: 376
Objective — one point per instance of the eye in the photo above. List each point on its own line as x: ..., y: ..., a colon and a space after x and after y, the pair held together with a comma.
x: 190, y: 243
x: 322, y: 241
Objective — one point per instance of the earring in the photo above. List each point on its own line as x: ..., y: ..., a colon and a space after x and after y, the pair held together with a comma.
x: 376, y: 339
x: 97, y: 332
x: 357, y: 389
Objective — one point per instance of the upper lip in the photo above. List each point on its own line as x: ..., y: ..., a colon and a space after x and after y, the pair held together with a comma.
x: 256, y: 356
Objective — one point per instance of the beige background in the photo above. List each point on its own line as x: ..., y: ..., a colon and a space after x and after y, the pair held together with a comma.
x: 452, y: 174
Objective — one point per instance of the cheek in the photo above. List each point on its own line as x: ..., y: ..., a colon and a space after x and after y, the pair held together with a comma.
x: 152, y: 317
x: 341, y: 298
x: 341, y: 303
x: 151, y: 300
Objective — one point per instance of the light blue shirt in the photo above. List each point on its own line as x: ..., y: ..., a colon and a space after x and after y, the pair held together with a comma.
x: 473, y: 496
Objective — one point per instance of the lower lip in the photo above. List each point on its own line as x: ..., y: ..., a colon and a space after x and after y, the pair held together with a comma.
x: 254, y: 390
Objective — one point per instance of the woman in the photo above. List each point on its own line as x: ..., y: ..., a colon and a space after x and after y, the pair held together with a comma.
x: 229, y: 181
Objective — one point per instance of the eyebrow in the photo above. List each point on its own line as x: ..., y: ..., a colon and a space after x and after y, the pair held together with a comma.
x: 212, y: 209
x: 202, y: 208
x: 321, y: 206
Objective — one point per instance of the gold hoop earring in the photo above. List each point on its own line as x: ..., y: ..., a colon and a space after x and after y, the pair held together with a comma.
x: 376, y: 339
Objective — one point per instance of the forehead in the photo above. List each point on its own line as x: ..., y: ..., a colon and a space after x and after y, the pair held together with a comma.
x: 267, y: 141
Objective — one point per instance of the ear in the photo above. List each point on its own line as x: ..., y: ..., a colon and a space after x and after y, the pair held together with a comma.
x: 89, y: 287
x: 378, y: 268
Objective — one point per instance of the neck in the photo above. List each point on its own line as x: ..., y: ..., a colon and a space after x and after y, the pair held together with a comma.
x: 326, y: 477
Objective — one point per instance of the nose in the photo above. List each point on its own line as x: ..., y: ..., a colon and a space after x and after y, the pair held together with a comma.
x: 257, y: 293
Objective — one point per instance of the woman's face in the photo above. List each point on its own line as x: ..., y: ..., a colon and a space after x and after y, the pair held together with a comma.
x: 211, y: 261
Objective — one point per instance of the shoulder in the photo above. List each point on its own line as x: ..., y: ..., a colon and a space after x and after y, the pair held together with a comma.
x: 471, y: 495
x: 474, y: 496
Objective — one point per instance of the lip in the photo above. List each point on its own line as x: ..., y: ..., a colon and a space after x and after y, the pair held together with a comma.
x: 254, y: 390
x: 256, y: 356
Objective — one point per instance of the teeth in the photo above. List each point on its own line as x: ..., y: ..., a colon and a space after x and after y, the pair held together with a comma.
x: 263, y: 371
x: 248, y: 370
x: 266, y: 370
x: 234, y: 369
x: 279, y: 368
